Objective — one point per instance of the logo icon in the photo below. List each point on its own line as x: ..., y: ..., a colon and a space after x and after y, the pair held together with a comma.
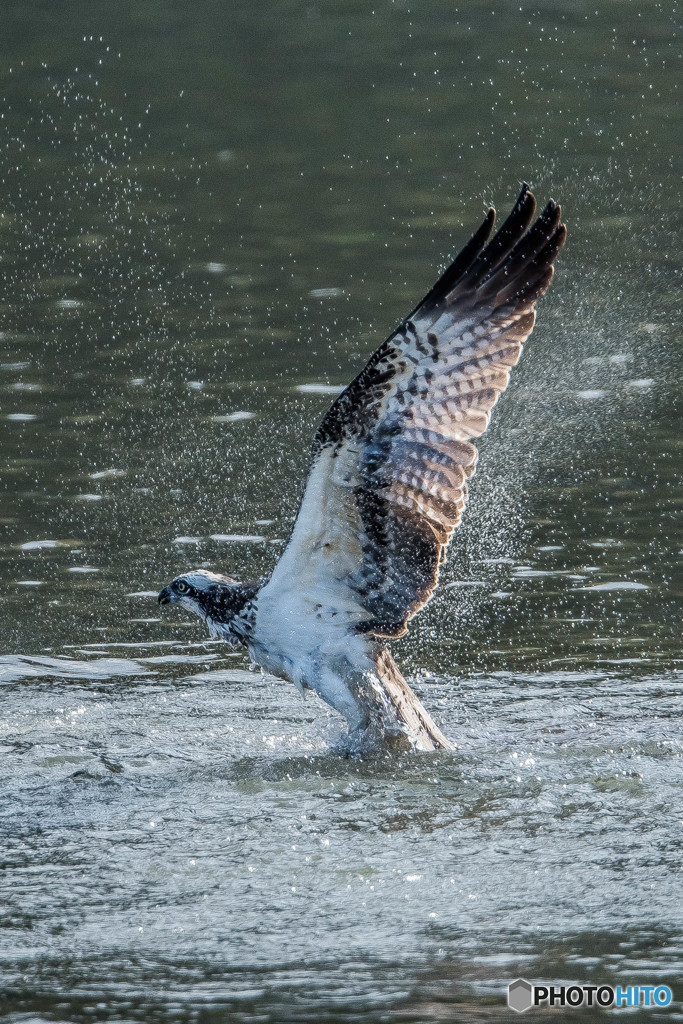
x: 520, y: 995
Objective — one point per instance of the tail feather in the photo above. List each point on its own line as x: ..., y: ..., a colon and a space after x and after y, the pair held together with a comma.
x: 414, y: 722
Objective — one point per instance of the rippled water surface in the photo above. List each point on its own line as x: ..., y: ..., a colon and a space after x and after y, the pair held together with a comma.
x: 209, y: 217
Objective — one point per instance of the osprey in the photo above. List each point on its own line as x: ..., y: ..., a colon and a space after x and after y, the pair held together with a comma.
x: 386, y: 488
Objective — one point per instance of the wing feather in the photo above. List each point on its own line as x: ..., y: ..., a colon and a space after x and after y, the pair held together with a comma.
x: 391, y: 459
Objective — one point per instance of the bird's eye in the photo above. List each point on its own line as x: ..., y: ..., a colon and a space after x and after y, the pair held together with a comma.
x: 182, y: 587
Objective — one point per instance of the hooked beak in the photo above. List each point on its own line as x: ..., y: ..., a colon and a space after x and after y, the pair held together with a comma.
x: 165, y: 596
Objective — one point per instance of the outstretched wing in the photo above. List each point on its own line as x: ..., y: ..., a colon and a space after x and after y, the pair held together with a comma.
x: 390, y: 460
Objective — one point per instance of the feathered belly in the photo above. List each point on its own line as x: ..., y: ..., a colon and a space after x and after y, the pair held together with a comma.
x: 308, y: 644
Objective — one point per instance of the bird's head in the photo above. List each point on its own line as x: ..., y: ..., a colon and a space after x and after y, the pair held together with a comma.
x: 211, y: 596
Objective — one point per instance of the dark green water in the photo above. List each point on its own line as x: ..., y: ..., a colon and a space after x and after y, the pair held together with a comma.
x: 209, y: 215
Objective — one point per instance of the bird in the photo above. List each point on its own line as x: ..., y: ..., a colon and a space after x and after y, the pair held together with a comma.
x: 386, y: 488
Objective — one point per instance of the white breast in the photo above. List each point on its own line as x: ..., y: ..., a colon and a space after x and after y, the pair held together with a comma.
x: 311, y: 645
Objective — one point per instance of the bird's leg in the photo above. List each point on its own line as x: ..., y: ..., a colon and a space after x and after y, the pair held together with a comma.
x: 336, y: 692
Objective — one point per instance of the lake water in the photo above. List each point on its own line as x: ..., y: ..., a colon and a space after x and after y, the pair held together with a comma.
x: 210, y: 215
